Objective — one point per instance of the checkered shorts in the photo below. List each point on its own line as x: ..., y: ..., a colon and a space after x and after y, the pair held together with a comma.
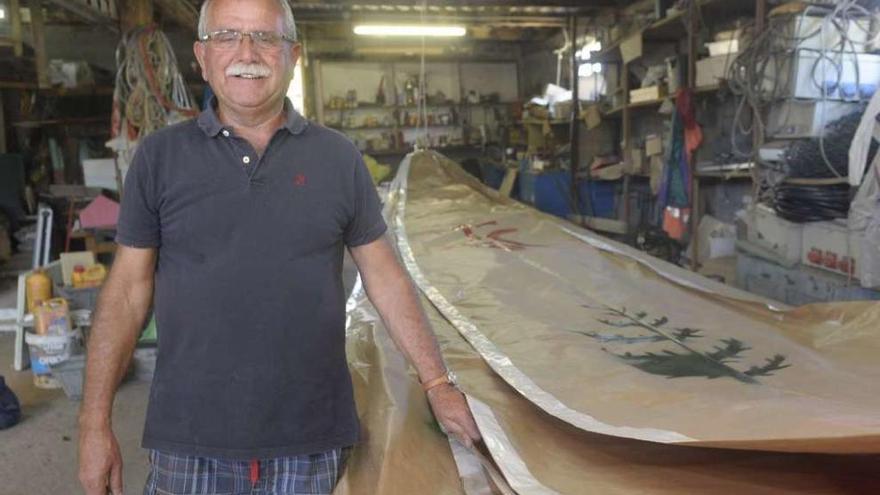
x: 314, y: 474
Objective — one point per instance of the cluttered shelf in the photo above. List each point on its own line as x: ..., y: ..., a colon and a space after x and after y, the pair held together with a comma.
x: 67, y: 121
x: 385, y: 127
x: 374, y: 106
x: 58, y: 90
x: 404, y: 151
x: 670, y: 28
x: 533, y: 121
x: 659, y: 101
x: 728, y: 171
x: 724, y: 175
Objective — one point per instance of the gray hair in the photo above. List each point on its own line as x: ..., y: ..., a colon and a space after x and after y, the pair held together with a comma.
x: 289, y: 25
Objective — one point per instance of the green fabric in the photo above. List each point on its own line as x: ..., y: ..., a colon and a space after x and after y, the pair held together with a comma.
x: 148, y: 336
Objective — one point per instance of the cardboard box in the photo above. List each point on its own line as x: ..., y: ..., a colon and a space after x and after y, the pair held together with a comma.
x: 724, y: 47
x: 592, y: 117
x: 649, y: 93
x: 710, y: 71
x: 655, y: 165
x: 766, y: 230
x: 101, y: 172
x: 653, y: 145
x: 637, y: 162
x: 832, y: 246
x: 631, y: 47
x: 610, y: 172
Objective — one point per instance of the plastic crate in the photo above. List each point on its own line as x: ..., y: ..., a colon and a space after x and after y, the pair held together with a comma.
x: 84, y: 298
x: 70, y: 374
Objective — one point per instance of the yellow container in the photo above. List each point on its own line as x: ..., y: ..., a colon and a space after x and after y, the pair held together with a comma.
x: 38, y: 289
x: 77, y: 276
x: 52, y: 317
x: 92, y: 276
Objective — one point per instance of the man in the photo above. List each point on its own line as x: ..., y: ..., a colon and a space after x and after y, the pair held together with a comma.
x: 237, y: 222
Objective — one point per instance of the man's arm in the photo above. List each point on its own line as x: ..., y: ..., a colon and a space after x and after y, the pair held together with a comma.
x: 391, y: 291
x: 122, y: 308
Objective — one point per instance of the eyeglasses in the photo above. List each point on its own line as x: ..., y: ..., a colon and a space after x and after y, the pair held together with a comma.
x: 230, y: 39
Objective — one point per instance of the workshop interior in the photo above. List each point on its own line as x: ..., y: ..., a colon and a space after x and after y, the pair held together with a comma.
x: 646, y: 233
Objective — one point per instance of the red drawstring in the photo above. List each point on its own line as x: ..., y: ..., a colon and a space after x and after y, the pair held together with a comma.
x: 255, y: 472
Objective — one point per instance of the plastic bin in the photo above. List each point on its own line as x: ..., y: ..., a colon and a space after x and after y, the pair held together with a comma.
x: 82, y: 298
x: 70, y: 374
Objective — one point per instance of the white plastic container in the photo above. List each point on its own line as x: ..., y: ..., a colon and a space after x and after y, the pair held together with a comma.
x: 767, y: 230
x: 717, y: 48
x: 48, y: 350
x: 832, y: 246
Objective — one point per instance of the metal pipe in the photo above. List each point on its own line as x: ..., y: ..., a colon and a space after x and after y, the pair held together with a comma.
x: 575, y: 116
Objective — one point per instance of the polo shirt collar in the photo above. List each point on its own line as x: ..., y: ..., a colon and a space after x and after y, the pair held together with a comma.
x: 210, y: 123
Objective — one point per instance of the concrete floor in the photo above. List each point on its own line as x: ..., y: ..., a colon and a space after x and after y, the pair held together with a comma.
x: 39, y: 455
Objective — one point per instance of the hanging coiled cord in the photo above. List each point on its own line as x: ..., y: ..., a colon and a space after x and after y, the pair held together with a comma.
x: 150, y: 92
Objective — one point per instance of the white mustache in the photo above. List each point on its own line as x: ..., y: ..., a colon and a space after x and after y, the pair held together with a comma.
x: 257, y: 70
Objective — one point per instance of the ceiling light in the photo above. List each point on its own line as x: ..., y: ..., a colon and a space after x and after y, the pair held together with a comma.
x: 2, y: 13
x: 409, y: 30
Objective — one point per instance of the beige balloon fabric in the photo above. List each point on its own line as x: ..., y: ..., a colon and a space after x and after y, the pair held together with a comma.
x: 593, y: 369
x: 613, y: 346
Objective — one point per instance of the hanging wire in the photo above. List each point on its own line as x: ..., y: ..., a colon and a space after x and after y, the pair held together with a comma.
x: 150, y: 92
x: 423, y: 139
x: 763, y: 71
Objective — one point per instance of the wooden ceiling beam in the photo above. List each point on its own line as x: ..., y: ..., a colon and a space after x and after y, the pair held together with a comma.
x: 87, y: 13
x: 181, y: 12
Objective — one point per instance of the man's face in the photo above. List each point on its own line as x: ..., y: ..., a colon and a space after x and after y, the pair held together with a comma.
x: 245, y: 77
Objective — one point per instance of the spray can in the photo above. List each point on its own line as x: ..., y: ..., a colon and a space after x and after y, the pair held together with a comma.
x: 38, y: 288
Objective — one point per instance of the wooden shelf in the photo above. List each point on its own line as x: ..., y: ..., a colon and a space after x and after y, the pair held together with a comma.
x: 709, y: 89
x: 77, y: 121
x: 672, y: 28
x: 374, y: 106
x: 724, y: 175
x: 647, y: 103
x: 383, y: 127
x: 403, y: 151
x: 543, y: 121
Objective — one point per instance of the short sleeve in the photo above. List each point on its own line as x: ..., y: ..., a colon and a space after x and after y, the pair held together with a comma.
x: 138, y: 224
x: 366, y: 224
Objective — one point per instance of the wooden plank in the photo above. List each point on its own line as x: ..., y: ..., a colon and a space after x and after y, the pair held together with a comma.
x: 2, y: 126
x: 135, y: 13
x: 601, y: 224
x: 38, y: 34
x: 15, y: 27
x: 86, y: 12
x: 183, y: 13
x: 508, y: 181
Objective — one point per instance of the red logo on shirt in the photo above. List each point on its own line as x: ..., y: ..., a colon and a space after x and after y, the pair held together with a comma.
x: 299, y: 180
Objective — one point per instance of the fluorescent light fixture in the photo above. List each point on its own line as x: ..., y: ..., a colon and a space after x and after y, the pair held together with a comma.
x: 409, y: 30
x: 2, y: 13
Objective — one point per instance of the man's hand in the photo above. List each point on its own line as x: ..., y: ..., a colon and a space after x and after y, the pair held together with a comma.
x: 100, y: 463
x: 451, y: 410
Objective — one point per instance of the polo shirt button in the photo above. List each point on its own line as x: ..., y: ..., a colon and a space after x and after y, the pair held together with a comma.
x: 225, y: 133
x: 246, y: 160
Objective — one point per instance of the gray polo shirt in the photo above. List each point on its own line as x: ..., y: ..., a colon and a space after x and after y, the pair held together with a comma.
x: 249, y: 299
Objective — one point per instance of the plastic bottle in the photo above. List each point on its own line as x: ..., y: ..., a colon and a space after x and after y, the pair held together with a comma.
x: 94, y: 275
x: 38, y: 288
x: 77, y: 276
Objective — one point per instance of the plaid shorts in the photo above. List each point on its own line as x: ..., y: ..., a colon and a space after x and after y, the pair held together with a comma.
x: 314, y: 474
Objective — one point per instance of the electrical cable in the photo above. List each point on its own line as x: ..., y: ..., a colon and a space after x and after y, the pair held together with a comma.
x: 801, y: 203
x: 764, y: 71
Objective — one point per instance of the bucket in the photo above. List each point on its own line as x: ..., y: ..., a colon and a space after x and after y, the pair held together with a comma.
x: 47, y: 350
